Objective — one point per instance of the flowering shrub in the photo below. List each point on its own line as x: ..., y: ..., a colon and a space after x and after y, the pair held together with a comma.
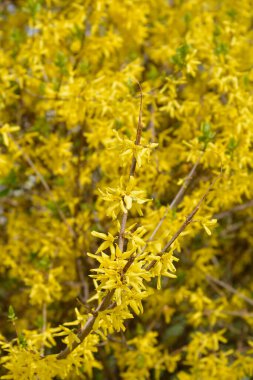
x: 126, y: 189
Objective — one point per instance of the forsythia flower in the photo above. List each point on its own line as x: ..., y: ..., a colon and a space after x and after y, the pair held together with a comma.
x: 122, y: 198
x: 88, y: 91
x: 128, y: 149
x: 5, y: 130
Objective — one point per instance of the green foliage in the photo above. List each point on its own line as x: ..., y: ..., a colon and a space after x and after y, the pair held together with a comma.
x: 11, y: 314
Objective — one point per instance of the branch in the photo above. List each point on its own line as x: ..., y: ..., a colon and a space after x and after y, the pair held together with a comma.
x: 229, y: 288
x: 84, y: 284
x: 184, y: 186
x: 241, y: 207
x: 105, y: 303
x: 43, y: 182
x: 183, y: 226
x: 139, y: 131
x: 174, y: 202
x: 132, y: 171
x: 44, y: 324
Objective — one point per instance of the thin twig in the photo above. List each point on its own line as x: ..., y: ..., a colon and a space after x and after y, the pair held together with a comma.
x: 44, y: 324
x: 183, y: 226
x: 132, y: 172
x: 241, y: 207
x: 105, y: 303
x: 84, y: 284
x: 43, y: 182
x: 122, y: 230
x: 85, y: 331
x: 184, y: 186
x: 174, y: 202
x: 229, y: 288
x: 239, y: 313
x: 139, y: 131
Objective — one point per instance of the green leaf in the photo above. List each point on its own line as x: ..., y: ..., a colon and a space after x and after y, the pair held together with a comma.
x: 180, y: 56
x: 61, y: 61
x: 22, y: 341
x: 221, y: 48
x: 153, y: 73
x: 4, y: 192
x: 11, y: 314
x: 10, y: 180
x: 33, y: 7
x: 207, y: 133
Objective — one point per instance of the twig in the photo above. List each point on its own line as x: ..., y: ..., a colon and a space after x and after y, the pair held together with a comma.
x: 105, y: 303
x: 151, y: 126
x: 84, y: 284
x: 184, y: 186
x: 230, y: 289
x: 43, y: 182
x: 174, y: 202
x: 139, y: 131
x: 239, y: 313
x: 183, y: 226
x: 44, y: 324
x: 122, y: 230
x: 132, y: 171
x: 241, y: 207
x: 85, y: 331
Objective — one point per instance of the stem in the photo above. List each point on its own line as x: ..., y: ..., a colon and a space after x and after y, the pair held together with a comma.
x: 230, y: 289
x: 43, y: 182
x: 183, y: 226
x: 105, y: 303
x: 173, y: 204
x: 241, y: 207
x: 44, y: 325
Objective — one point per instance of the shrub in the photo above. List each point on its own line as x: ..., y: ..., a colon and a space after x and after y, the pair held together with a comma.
x: 126, y: 189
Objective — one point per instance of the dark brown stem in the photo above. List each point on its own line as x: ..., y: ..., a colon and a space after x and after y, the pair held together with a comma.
x: 85, y: 331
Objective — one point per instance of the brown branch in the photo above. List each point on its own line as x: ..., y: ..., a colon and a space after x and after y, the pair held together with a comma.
x: 105, y: 303
x: 43, y: 182
x: 183, y: 226
x: 230, y: 289
x: 122, y: 230
x: 132, y: 171
x: 139, y: 131
x: 241, y: 207
x: 84, y: 284
x: 184, y: 186
x: 239, y: 313
x: 44, y: 324
x: 174, y: 202
x: 85, y: 331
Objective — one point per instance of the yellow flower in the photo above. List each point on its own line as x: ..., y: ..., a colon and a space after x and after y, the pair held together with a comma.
x: 5, y: 130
